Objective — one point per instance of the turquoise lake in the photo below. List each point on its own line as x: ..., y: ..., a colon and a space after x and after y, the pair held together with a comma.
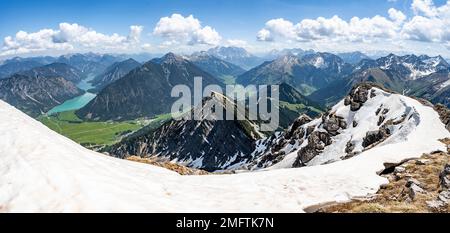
x: 77, y: 102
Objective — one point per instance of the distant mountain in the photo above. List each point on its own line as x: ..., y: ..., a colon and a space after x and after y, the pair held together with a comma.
x: 332, y: 93
x: 12, y: 66
x: 36, y: 95
x: 236, y: 55
x: 56, y: 70
x: 215, y: 66
x: 309, y: 73
x: 274, y: 54
x: 353, y: 57
x: 412, y: 67
x: 435, y: 88
x: 89, y: 63
x: 114, y: 72
x: 38, y: 59
x: 145, y: 91
x: 142, y: 57
x: 409, y: 74
x: 209, y: 144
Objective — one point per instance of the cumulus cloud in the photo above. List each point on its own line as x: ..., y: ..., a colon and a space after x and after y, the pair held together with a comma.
x: 425, y: 7
x: 67, y: 37
x: 430, y: 23
x: 135, y: 33
x: 264, y: 35
x: 396, y: 15
x: 334, y: 28
x: 186, y: 30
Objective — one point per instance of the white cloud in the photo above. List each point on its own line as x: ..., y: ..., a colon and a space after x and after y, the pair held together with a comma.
x: 334, y: 28
x: 187, y: 30
x: 264, y: 35
x: 430, y: 23
x: 396, y: 15
x: 135, y: 33
x: 67, y: 37
x: 425, y: 7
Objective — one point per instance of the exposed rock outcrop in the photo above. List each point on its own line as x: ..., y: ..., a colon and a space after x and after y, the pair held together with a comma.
x: 374, y: 137
x: 358, y: 96
x: 444, y: 114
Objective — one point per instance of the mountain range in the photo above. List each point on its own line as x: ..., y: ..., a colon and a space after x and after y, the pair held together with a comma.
x: 113, y: 73
x: 145, y: 91
x: 323, y: 78
x: 218, y: 68
x: 308, y: 73
x: 236, y: 55
x: 56, y: 70
x: 409, y: 74
x: 370, y: 117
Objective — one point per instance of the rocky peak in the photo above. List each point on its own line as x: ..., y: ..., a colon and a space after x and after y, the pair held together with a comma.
x: 171, y: 58
x: 207, y: 142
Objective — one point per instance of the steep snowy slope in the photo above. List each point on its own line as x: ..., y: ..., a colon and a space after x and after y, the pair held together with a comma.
x: 41, y: 171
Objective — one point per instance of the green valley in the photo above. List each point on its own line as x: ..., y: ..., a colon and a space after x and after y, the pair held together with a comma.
x: 95, y: 134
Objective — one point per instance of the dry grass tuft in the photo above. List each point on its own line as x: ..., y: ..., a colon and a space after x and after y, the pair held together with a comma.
x: 180, y: 169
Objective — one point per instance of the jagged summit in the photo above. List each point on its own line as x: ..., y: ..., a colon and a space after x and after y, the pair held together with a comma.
x: 203, y: 141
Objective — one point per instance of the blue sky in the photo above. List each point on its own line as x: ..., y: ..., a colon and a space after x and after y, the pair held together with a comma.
x: 234, y: 17
x: 231, y: 19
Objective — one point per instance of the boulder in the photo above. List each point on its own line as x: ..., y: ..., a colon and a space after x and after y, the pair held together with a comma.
x: 414, y: 188
x: 358, y: 96
x: 349, y: 147
x: 399, y: 169
x: 373, y: 137
x: 372, y: 93
x: 444, y: 196
x: 421, y: 162
x: 333, y: 123
x: 444, y: 177
x: 296, y: 128
x: 412, y: 181
x: 317, y: 141
x: 381, y: 120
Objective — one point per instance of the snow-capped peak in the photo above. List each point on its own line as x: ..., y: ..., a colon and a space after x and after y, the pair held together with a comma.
x: 414, y: 66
